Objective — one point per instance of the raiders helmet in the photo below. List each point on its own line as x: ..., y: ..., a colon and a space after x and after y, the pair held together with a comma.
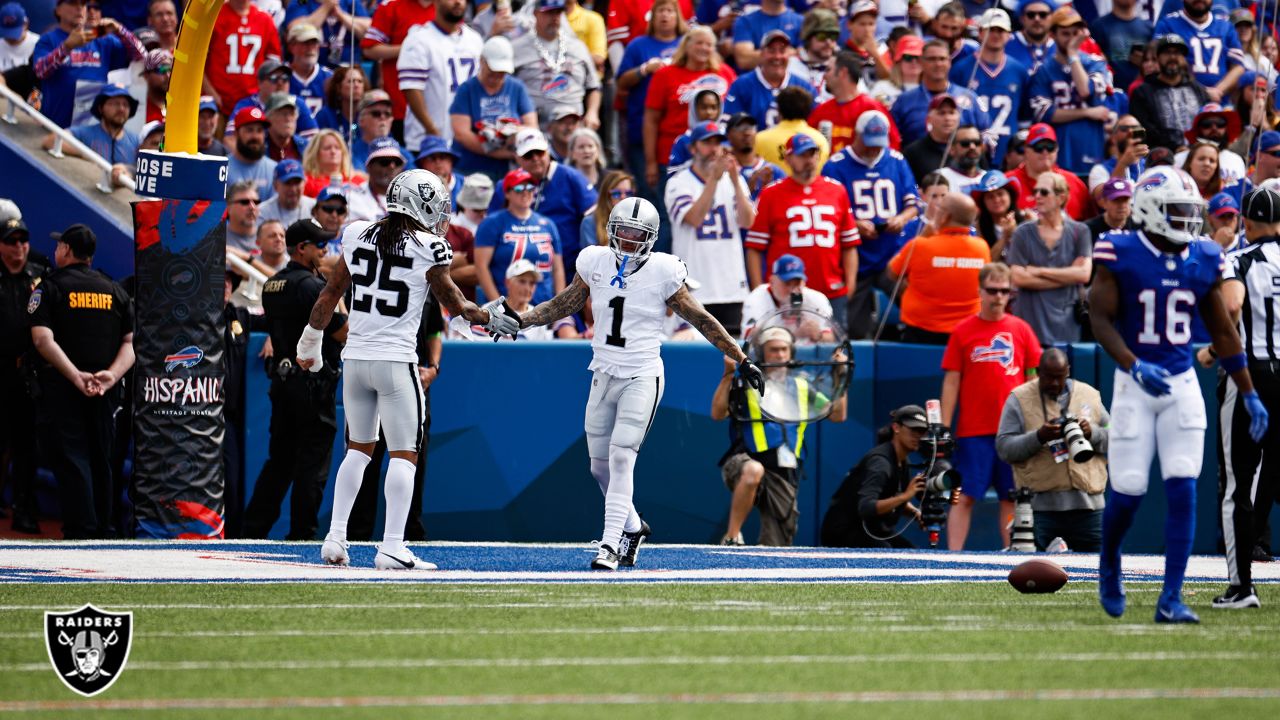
x: 422, y: 196
x: 1166, y: 203
x: 633, y: 229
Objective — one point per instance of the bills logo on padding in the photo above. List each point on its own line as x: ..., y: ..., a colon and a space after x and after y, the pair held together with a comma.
x: 88, y: 647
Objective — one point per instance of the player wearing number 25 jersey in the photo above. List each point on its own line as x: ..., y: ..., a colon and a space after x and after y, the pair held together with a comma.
x: 1149, y: 283
x: 630, y: 288
x: 435, y: 62
x: 241, y: 42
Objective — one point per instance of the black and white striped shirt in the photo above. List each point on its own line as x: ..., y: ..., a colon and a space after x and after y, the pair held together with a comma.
x: 1257, y: 266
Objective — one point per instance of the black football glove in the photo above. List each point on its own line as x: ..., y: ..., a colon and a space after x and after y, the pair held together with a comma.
x: 752, y: 375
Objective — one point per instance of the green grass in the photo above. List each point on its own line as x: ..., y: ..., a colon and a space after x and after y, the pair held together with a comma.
x: 668, y: 644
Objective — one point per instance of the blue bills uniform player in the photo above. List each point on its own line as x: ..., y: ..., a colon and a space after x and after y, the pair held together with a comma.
x: 630, y: 288
x: 1149, y: 282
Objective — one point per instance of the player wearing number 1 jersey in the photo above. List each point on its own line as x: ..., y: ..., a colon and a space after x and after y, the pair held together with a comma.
x: 630, y: 288
x: 244, y: 37
x: 1149, y: 284
x: 389, y: 266
x: 435, y: 59
x: 808, y: 216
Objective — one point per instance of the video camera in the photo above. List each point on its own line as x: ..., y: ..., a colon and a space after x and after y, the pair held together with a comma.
x: 940, y: 477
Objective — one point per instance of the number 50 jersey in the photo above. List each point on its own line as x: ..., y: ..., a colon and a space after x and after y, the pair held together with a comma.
x: 388, y: 293
x: 1159, y: 293
x: 629, y: 319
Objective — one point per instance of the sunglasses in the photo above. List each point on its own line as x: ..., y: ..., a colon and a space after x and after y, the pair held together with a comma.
x: 333, y: 209
x: 968, y: 143
x: 621, y: 194
x: 1128, y: 128
x: 1042, y: 192
x: 17, y: 240
x: 387, y: 162
x: 245, y: 201
x: 1216, y: 123
x: 910, y: 58
x: 1037, y: 15
x: 1272, y: 153
x: 524, y: 188
x: 997, y: 291
x: 1044, y: 147
x: 832, y: 37
x: 278, y: 79
x: 380, y: 114
x: 319, y: 244
x: 162, y: 70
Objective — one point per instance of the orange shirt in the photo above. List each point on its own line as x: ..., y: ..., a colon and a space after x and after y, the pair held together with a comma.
x: 942, y: 278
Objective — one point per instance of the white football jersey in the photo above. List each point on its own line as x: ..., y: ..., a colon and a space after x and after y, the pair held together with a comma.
x: 436, y: 64
x: 713, y: 250
x: 629, y: 320
x: 388, y: 293
x: 760, y: 305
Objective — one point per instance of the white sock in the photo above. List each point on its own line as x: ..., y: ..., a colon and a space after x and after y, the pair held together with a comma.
x: 345, y: 489
x: 617, y: 502
x: 600, y: 471
x: 399, y: 490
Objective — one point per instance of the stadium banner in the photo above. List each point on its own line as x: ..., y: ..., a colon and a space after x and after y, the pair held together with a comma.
x: 180, y: 256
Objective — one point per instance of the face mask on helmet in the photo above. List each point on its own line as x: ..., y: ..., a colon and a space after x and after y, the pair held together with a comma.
x: 1184, y: 218
x: 631, y: 241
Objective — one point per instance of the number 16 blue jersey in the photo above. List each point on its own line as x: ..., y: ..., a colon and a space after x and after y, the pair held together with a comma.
x: 1159, y: 293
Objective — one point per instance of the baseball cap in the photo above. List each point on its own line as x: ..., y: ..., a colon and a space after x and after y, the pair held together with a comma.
x: 738, y: 118
x: 789, y: 267
x: 1065, y: 16
x: 936, y: 101
x: 703, y: 131
x: 149, y: 38
x: 819, y: 20
x: 207, y: 103
x: 1172, y: 40
x: 332, y: 191
x: 550, y: 5
x: 911, y: 416
x: 1241, y: 15
x: 1024, y: 4
x: 990, y: 181
x: 995, y: 18
x: 514, y: 178
x: 560, y: 112
x: 279, y: 101
x: 158, y: 60
x: 250, y: 115
x: 269, y: 68
x: 1262, y: 205
x: 1232, y: 119
x: 79, y: 238
x: 288, y: 169
x: 385, y: 147
x: 1117, y: 188
x: 529, y: 140
x: 1270, y: 139
x: 523, y: 267
x: 13, y: 21
x: 872, y: 129
x: 155, y: 126
x: 432, y: 145
x: 800, y: 144
x: 1221, y: 204
x: 498, y: 55
x: 112, y: 91
x: 908, y: 45
x: 9, y: 210
x: 374, y: 97
x: 477, y: 192
x: 862, y: 6
x: 777, y: 332
x: 303, y: 32
x: 774, y: 35
x: 13, y: 226
x: 1041, y: 132
x: 1248, y: 78
x: 306, y: 230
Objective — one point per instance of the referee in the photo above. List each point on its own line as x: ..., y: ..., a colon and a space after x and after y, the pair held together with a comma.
x: 1251, y: 292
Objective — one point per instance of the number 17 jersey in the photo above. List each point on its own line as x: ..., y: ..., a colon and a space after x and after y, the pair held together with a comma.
x: 388, y: 293
x: 629, y: 320
x: 1159, y: 293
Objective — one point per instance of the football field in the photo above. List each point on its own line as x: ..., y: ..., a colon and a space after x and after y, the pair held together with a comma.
x: 263, y: 631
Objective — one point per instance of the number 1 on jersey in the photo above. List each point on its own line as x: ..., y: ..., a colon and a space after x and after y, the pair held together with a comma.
x: 614, y: 337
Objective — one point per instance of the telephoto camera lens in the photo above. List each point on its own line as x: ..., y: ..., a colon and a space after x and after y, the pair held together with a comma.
x: 1023, y: 538
x: 942, y: 478
x: 1078, y: 446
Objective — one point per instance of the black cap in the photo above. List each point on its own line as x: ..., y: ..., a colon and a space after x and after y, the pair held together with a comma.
x: 1262, y: 205
x: 11, y: 227
x: 1172, y: 40
x: 738, y: 118
x: 306, y: 230
x: 911, y: 416
x: 79, y: 238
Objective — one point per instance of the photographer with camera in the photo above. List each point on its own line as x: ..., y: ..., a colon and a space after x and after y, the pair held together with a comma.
x: 1053, y: 431
x: 878, y: 490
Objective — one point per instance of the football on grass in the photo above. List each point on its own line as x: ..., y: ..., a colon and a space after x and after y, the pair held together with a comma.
x: 1038, y: 576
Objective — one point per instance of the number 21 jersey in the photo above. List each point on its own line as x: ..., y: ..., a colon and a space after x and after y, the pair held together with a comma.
x: 388, y: 293
x: 629, y: 319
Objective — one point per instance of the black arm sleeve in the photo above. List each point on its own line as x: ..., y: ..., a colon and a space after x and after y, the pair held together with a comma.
x: 878, y: 479
x: 432, y: 324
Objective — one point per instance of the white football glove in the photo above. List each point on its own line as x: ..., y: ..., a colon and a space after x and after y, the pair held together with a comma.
x: 309, y: 347
x: 500, y: 323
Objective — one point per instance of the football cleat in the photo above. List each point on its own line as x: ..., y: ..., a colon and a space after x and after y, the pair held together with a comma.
x: 1110, y: 591
x: 1172, y: 610
x: 606, y: 559
x: 334, y: 551
x: 1260, y: 554
x: 1236, y: 597
x: 629, y: 548
x: 402, y: 559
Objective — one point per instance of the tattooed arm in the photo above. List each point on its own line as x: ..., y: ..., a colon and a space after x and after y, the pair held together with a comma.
x: 684, y: 304
x: 330, y: 296
x: 451, y: 298
x: 569, y: 301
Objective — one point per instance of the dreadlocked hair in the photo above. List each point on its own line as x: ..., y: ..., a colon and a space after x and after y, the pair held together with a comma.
x: 391, y: 232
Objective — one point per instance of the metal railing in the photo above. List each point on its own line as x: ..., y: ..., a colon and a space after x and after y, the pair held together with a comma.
x: 62, y: 137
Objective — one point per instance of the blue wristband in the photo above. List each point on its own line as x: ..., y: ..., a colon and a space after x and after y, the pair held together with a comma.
x: 1234, y: 363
